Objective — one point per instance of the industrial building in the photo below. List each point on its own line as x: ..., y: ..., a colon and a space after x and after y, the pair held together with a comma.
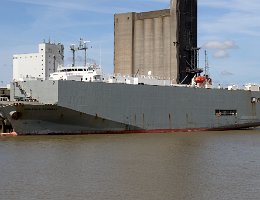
x: 38, y: 65
x: 4, y: 93
x: 162, y: 43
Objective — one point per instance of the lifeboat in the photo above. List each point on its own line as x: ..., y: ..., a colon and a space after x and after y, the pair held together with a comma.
x: 9, y: 134
x: 200, y: 79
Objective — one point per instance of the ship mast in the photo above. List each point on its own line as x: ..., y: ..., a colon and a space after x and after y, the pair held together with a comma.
x: 82, y: 46
x: 73, y: 49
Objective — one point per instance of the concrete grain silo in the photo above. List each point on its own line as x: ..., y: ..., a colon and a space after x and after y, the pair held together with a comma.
x: 163, y: 42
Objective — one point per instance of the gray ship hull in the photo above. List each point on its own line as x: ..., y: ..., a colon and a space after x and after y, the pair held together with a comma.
x: 72, y: 107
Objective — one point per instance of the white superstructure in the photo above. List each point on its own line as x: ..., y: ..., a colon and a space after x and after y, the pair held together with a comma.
x: 39, y: 65
x: 88, y: 73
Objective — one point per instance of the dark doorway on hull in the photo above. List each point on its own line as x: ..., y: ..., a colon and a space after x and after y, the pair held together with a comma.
x: 5, y: 126
x: 2, y: 127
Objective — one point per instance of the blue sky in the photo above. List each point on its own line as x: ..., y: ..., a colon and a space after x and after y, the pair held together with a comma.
x: 228, y: 29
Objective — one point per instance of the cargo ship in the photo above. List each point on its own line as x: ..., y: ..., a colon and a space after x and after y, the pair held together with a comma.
x: 120, y: 104
x: 46, y: 97
x: 83, y: 100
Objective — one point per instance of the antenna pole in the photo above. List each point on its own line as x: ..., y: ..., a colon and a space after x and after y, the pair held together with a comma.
x: 85, y: 63
x: 100, y: 54
x: 206, y: 63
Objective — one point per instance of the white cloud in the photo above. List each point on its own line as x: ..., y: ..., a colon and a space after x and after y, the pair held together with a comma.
x: 233, y: 17
x: 226, y: 73
x: 228, y: 44
x: 221, y: 48
x: 237, y: 5
x: 221, y: 54
x: 100, y: 6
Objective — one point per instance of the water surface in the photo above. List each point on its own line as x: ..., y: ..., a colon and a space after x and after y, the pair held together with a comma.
x: 183, y: 166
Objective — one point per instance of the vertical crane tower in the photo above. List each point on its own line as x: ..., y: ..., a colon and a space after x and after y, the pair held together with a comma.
x: 184, y: 22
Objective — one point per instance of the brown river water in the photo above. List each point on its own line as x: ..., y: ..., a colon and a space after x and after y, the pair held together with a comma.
x: 181, y: 166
